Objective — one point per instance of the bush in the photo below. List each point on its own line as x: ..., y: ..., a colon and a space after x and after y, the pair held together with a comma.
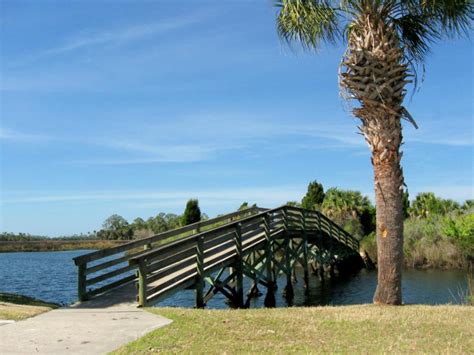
x: 460, y: 230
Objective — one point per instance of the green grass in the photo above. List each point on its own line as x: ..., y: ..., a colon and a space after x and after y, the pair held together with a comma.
x: 17, y: 307
x: 346, y: 329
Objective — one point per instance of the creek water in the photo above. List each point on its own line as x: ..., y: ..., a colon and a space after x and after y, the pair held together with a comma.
x: 52, y: 276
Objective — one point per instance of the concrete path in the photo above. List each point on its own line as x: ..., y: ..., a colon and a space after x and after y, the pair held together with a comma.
x: 93, y: 327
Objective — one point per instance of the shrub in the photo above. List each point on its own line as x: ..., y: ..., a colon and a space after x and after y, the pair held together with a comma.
x: 460, y: 230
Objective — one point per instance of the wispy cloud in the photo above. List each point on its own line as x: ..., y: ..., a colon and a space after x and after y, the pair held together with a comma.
x: 16, y: 136
x: 125, y: 35
x: 262, y: 195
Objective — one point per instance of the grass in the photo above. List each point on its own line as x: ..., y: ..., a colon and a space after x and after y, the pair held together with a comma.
x: 16, y: 307
x: 346, y: 329
x: 56, y: 245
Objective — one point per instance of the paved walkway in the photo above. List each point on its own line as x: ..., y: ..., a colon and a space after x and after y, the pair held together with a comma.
x: 93, y: 327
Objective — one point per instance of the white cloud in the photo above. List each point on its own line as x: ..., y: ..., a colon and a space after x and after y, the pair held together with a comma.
x: 266, y: 196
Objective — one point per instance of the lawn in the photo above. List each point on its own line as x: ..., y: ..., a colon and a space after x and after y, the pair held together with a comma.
x: 361, y: 328
x: 15, y: 307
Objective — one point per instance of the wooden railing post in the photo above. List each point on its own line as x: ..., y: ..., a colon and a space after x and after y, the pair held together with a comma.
x: 239, y: 269
x: 305, y: 250
x: 288, y: 291
x: 81, y: 284
x: 270, y: 296
x: 200, y: 272
x: 142, y: 283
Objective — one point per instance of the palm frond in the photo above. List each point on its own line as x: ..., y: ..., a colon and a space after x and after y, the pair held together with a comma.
x: 416, y: 32
x: 422, y: 22
x: 309, y: 22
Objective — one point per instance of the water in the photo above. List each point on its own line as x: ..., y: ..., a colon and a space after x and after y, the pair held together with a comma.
x: 52, y: 276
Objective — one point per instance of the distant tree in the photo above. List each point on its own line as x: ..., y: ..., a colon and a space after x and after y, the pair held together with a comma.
x: 173, y: 221
x: 192, y: 213
x: 427, y: 204
x: 116, y: 227
x: 114, y: 222
x: 351, y: 210
x: 243, y: 206
x: 138, y: 224
x: 293, y: 204
x: 314, y: 196
x: 246, y: 205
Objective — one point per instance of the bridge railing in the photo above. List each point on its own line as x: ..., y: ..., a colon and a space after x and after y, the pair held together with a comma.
x: 177, y: 264
x: 106, y: 269
x: 317, y: 222
x: 183, y: 263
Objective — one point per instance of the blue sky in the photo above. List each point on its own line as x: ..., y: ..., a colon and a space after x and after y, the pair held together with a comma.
x: 133, y: 107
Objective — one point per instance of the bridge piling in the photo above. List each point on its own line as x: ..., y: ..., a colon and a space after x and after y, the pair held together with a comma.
x: 199, y: 286
x: 239, y: 269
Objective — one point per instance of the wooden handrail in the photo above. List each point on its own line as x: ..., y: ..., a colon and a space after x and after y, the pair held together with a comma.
x: 160, y: 236
x: 217, y: 230
x: 84, y: 270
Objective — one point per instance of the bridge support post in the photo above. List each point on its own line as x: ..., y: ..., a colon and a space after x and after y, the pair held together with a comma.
x: 81, y: 284
x: 200, y: 272
x: 305, y: 252
x: 288, y: 291
x: 253, y: 292
x: 239, y: 268
x: 270, y: 296
x: 142, y: 284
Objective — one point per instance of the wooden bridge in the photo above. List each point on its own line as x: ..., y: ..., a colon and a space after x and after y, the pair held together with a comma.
x: 215, y: 255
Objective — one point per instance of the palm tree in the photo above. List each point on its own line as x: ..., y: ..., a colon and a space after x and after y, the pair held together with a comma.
x: 385, y: 41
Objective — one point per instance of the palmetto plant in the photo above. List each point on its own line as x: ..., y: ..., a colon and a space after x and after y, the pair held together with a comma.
x: 385, y: 41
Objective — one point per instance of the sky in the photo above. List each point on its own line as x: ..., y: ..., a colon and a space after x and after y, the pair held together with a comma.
x: 133, y: 107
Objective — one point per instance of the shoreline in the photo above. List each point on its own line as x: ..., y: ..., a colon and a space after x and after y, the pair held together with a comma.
x: 56, y: 245
x: 15, y: 307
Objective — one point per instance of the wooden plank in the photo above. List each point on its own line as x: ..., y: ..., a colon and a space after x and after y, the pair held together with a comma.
x: 110, y: 274
x: 162, y: 263
x: 171, y: 269
x: 107, y: 264
x: 173, y: 280
x: 216, y: 250
x: 219, y: 240
x: 112, y: 285
x: 171, y: 247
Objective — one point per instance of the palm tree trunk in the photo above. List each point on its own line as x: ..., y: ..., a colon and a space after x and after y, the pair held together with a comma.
x: 388, y: 196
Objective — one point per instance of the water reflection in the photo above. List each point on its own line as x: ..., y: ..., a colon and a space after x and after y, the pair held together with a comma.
x: 52, y: 276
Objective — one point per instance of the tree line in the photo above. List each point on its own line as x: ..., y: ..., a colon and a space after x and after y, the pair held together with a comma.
x: 438, y: 232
